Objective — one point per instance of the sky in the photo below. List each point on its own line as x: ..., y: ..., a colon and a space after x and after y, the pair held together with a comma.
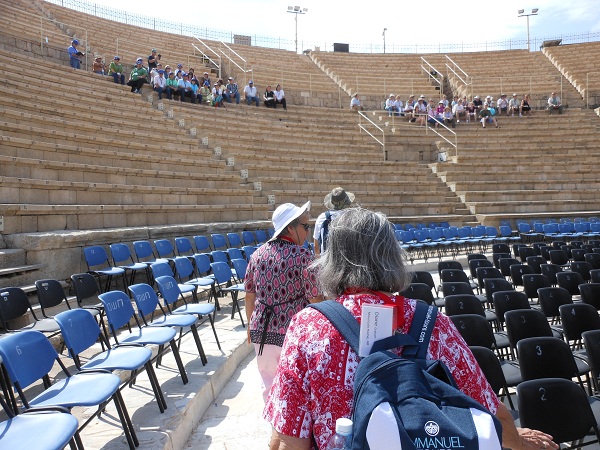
x: 410, y: 24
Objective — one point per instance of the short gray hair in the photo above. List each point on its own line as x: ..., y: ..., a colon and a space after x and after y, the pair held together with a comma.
x: 362, y: 252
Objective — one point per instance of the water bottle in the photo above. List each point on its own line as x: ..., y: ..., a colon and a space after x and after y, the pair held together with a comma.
x: 342, y: 439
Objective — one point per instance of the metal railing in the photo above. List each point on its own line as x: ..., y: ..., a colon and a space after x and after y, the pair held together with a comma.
x: 454, y: 137
x: 587, y: 88
x: 432, y: 74
x: 361, y: 116
x: 456, y: 66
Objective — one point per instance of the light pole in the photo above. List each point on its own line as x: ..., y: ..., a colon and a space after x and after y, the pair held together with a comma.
x: 383, y: 34
x: 297, y: 10
x: 522, y: 13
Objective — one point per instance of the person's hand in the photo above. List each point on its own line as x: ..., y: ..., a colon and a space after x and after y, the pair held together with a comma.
x: 534, y: 439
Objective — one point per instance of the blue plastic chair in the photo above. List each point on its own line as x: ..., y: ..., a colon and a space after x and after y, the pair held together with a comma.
x: 261, y: 237
x: 248, y: 238
x: 235, y: 253
x: 122, y: 258
x: 50, y: 428
x: 162, y: 269
x: 239, y: 266
x: 144, y: 253
x: 248, y: 251
x: 219, y: 242
x: 147, y: 302
x: 219, y: 256
x: 171, y: 294
x: 81, y: 331
x: 119, y: 313
x: 29, y: 356
x: 165, y: 249
x: 98, y: 265
x: 202, y: 244
x: 234, y: 240
x: 184, y: 246
x: 187, y: 275
x: 223, y: 276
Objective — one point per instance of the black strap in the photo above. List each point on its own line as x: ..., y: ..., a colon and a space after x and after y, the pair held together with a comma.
x: 415, y: 343
x: 268, y: 312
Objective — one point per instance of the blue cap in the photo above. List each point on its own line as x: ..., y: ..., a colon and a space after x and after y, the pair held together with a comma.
x: 250, y: 82
x: 139, y: 61
x: 161, y: 71
x: 179, y: 65
x: 75, y: 41
x: 117, y: 58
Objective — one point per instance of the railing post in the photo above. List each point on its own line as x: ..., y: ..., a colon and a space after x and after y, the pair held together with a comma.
x: 117, y: 52
x: 587, y: 90
x: 41, y: 33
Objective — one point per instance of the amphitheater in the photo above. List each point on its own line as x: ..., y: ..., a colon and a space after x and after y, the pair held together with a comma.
x: 86, y: 162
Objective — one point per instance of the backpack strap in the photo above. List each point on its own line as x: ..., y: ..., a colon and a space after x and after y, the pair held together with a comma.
x: 348, y: 326
x: 421, y: 329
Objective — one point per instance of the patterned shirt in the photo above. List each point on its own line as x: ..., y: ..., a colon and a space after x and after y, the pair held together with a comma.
x: 278, y: 274
x: 315, y: 376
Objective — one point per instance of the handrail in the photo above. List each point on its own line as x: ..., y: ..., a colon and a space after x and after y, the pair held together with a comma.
x: 234, y: 52
x: 206, y: 56
x: 465, y: 73
x: 457, y: 75
x: 430, y: 73
x: 236, y: 64
x: 453, y: 144
x: 362, y: 127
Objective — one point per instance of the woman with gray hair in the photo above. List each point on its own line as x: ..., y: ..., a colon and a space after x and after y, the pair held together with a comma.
x: 314, y: 383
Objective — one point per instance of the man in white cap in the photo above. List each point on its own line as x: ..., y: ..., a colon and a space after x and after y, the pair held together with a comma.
x: 335, y: 202
x: 250, y: 94
x: 278, y: 284
x: 514, y: 104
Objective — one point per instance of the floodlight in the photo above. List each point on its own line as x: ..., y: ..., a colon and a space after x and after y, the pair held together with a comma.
x: 521, y: 11
x: 534, y: 11
x: 296, y: 8
x: 290, y: 8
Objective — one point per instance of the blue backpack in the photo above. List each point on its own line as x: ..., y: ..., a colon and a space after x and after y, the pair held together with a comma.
x: 407, y: 402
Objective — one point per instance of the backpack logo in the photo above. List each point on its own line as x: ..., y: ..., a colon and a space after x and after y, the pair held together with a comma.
x: 432, y: 428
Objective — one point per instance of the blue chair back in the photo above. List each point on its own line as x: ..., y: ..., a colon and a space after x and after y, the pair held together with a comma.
x: 95, y: 256
x: 491, y: 232
x: 261, y: 236
x: 202, y: 244
x: 271, y: 232
x: 248, y: 251
x: 143, y: 250
x: 234, y: 253
x: 169, y: 289
x: 524, y: 227
x: 145, y: 298
x: 222, y: 272
x: 118, y: 309
x: 183, y: 267
x: 218, y: 255
x: 79, y: 329
x: 248, y: 238
x: 120, y: 253
x: 164, y: 248
x: 240, y: 266
x: 161, y: 269
x: 218, y: 241
x: 202, y: 263
x: 234, y: 240
x: 27, y: 356
x: 183, y: 246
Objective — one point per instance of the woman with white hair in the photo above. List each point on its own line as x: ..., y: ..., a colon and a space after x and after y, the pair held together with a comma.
x: 278, y: 284
x: 314, y: 383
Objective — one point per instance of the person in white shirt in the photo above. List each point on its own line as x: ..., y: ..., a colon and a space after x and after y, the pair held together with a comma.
x: 250, y: 94
x: 459, y: 111
x: 502, y: 105
x: 554, y: 104
x: 355, y: 103
x: 514, y: 105
x: 390, y: 105
x: 280, y: 97
x: 160, y: 83
x: 399, y: 106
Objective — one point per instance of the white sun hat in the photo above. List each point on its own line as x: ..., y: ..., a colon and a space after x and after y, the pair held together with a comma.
x: 285, y: 214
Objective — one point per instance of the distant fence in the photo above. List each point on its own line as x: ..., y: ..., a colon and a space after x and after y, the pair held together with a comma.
x: 290, y: 44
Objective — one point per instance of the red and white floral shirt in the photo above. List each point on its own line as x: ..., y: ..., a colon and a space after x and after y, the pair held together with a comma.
x: 315, y: 377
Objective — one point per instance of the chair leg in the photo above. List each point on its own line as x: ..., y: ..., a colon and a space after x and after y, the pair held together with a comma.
x: 158, y: 394
x: 177, y: 356
x: 199, y: 345
x: 132, y: 439
x: 235, y: 305
x: 212, y: 324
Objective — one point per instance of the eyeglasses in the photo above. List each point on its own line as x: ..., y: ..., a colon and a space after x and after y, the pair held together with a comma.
x: 305, y: 225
